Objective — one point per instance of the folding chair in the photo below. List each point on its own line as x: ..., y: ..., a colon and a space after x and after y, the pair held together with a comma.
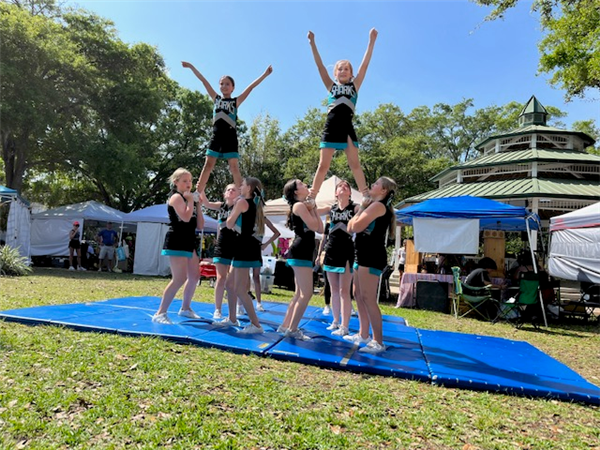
x: 464, y: 304
x: 525, y: 305
x: 586, y: 307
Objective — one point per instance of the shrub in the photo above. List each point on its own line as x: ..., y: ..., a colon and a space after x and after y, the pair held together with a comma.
x: 12, y: 263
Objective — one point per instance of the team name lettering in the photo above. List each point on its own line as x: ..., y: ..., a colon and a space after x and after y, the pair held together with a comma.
x: 338, y: 90
x: 225, y: 105
x: 341, y: 216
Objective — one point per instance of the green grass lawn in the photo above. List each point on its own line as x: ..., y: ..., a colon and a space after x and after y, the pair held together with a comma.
x: 62, y: 389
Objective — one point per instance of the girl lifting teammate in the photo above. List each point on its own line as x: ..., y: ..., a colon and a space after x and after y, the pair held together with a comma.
x: 247, y: 220
x: 181, y: 246
x: 339, y: 257
x: 371, y: 224
x: 224, y: 142
x: 226, y: 243
x: 339, y: 132
x: 304, y: 221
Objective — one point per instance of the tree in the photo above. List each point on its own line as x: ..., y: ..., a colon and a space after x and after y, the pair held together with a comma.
x: 260, y: 155
x: 571, y: 47
x: 41, y: 71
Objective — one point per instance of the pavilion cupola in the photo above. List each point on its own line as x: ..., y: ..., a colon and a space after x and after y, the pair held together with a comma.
x: 534, y: 113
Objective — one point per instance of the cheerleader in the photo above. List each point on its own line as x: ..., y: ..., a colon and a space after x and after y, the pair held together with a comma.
x: 181, y: 246
x: 304, y: 221
x: 374, y: 219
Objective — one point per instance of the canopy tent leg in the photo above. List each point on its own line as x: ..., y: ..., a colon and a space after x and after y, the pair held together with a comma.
x: 535, y: 270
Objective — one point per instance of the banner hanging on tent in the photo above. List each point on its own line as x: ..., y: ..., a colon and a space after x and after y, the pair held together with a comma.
x: 454, y: 236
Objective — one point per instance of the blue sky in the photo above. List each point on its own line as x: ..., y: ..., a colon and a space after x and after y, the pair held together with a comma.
x: 427, y: 52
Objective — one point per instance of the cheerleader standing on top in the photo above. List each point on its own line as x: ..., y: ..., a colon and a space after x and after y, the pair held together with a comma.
x: 224, y: 142
x: 226, y: 243
x: 339, y: 257
x: 181, y: 246
x: 372, y: 223
x: 247, y: 220
x: 339, y: 132
x: 304, y: 221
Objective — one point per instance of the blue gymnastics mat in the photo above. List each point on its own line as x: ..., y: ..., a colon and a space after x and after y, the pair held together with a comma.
x: 438, y: 357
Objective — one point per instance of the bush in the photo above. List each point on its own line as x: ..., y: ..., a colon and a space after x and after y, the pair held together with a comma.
x: 12, y: 263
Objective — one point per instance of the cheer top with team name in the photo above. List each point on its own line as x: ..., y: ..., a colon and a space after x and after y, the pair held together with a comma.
x: 342, y: 99
x: 224, y: 113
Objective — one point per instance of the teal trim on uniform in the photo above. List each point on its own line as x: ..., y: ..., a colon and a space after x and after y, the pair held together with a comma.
x: 372, y: 270
x: 299, y: 263
x: 245, y: 264
x: 224, y: 261
x: 337, y: 145
x: 219, y: 155
x: 177, y: 253
x: 335, y: 269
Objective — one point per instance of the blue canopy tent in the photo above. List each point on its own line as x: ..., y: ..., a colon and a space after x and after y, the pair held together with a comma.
x: 492, y: 215
x: 461, y: 215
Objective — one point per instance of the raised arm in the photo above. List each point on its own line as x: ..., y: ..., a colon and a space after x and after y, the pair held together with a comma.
x: 199, y: 218
x: 309, y: 217
x: 211, y: 92
x: 255, y: 83
x: 364, y: 65
x: 208, y: 204
x: 184, y: 210
x: 327, y: 81
x: 365, y: 216
x: 241, y: 206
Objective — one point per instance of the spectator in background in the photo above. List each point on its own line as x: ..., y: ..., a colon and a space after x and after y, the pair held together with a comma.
x: 75, y: 246
x: 108, y: 239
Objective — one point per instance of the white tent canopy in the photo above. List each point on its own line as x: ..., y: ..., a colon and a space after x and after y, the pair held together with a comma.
x: 19, y: 221
x: 50, y: 229
x: 575, y: 245
x: 326, y: 197
x: 152, y: 226
x: 277, y: 210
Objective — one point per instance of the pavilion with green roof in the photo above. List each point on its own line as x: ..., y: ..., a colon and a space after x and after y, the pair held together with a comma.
x: 542, y: 168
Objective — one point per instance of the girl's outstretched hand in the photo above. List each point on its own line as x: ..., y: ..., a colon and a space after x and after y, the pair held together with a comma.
x: 186, y: 64
x: 311, y: 37
x: 269, y: 70
x: 373, y: 34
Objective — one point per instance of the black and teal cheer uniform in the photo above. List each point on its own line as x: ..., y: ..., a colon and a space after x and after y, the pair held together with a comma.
x: 246, y: 254
x: 227, y: 239
x: 224, y: 142
x: 181, y: 236
x: 302, y: 250
x: 339, y: 250
x: 370, y: 244
x: 340, y: 110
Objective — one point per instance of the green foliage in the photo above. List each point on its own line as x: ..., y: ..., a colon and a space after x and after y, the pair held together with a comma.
x: 571, y: 45
x: 12, y: 263
x: 62, y: 388
x: 589, y: 127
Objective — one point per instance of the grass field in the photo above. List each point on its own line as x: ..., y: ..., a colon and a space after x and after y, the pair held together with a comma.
x: 62, y: 389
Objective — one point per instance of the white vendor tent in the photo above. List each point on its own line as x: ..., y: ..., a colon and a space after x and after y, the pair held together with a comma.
x: 19, y: 221
x: 277, y: 210
x: 575, y: 245
x: 50, y: 229
x: 152, y: 226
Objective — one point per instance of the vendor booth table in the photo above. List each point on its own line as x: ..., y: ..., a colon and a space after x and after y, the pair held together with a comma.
x: 407, y: 296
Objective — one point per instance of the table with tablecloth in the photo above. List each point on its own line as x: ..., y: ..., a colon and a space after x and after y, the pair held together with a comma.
x: 406, y: 297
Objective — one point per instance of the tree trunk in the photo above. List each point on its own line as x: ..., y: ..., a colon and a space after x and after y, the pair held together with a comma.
x: 14, y: 160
